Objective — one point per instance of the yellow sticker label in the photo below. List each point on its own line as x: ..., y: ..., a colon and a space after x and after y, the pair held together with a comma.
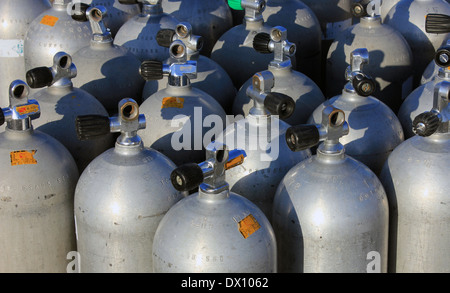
x: 172, y: 102
x: 49, y: 20
x: 22, y: 158
x: 235, y: 162
x: 248, y: 226
x: 27, y: 109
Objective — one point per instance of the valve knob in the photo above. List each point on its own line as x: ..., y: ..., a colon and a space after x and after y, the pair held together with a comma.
x: 363, y: 84
x: 235, y: 4
x: 39, y: 77
x: 426, y: 124
x: 151, y: 70
x: 437, y: 23
x: 187, y: 177
x: 261, y: 43
x: 359, y: 8
x: 128, y: 2
x: 302, y: 137
x: 442, y: 57
x: 279, y: 104
x: 164, y: 37
x: 79, y: 12
x: 92, y: 126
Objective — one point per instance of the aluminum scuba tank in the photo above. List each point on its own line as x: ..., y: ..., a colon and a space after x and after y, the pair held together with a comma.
x: 305, y: 92
x: 391, y: 58
x: 118, y: 13
x: 421, y: 99
x: 107, y: 71
x: 304, y: 31
x: 37, y: 188
x: 334, y: 16
x: 330, y: 211
x: 181, y: 115
x: 209, y: 19
x: 261, y: 136
x: 138, y: 33
x: 374, y: 128
x: 214, y: 230
x: 16, y: 17
x: 415, y: 178
x: 234, y: 52
x: 61, y: 103
x: 211, y: 77
x: 121, y: 196
x: 54, y: 31
x: 407, y: 17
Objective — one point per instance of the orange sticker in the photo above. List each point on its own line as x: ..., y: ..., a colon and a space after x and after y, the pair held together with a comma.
x: 22, y: 158
x: 49, y: 20
x: 27, y: 109
x: 172, y: 102
x: 235, y: 162
x: 248, y: 226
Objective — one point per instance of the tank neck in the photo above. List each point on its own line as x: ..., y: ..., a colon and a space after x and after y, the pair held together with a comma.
x: 128, y: 150
x: 14, y: 127
x: 204, y: 194
x: 60, y: 4
x: 370, y: 21
x: 152, y: 9
x: 349, y: 94
x: 253, y: 24
x: 331, y: 151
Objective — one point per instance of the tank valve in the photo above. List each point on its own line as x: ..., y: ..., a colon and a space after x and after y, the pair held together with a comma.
x: 61, y: 73
x: 79, y: 11
x: 182, y: 32
x: 266, y: 101
x: 253, y: 8
x: 180, y: 72
x: 436, y: 120
x: 21, y: 110
x: 358, y: 81
x: 128, y: 122
x: 362, y: 8
x: 276, y: 42
x: 210, y: 174
x: 437, y: 23
x: 333, y: 127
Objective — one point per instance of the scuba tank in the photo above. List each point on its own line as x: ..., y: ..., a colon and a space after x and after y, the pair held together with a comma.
x: 54, y: 31
x: 261, y: 135
x: 118, y: 13
x: 391, y: 58
x: 415, y: 178
x: 16, y: 17
x: 407, y: 17
x: 211, y: 77
x: 304, y: 31
x: 374, y: 128
x: 107, y: 71
x: 138, y: 33
x: 234, y: 52
x: 210, y: 19
x: 181, y: 115
x: 121, y: 196
x: 330, y: 211
x: 214, y: 230
x: 306, y: 94
x: 61, y: 103
x: 421, y: 98
x: 37, y: 230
